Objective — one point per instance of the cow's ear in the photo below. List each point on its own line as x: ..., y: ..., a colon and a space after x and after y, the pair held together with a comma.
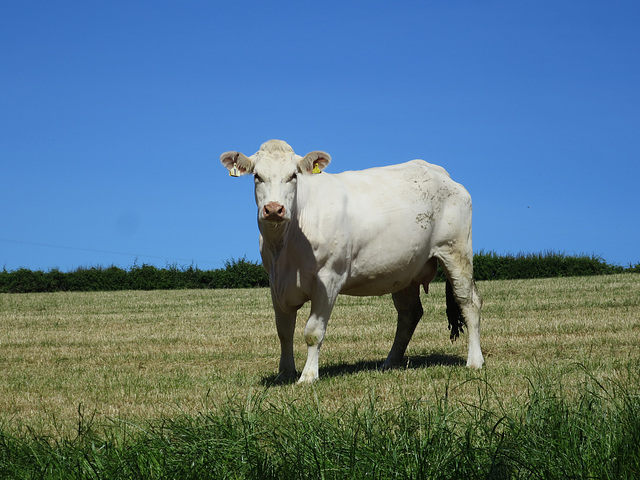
x: 314, y: 162
x: 237, y: 163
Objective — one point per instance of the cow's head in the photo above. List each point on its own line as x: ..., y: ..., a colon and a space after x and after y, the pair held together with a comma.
x: 275, y: 168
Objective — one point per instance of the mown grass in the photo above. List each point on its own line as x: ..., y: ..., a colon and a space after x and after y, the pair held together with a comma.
x: 180, y: 384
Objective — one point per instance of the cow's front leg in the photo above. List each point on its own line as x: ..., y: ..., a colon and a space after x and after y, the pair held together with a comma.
x: 286, y: 325
x: 314, y: 335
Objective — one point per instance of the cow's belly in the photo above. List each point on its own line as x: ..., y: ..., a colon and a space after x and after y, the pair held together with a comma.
x: 364, y: 287
x: 388, y: 277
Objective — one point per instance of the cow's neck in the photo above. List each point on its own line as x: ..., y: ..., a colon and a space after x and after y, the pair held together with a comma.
x: 273, y: 239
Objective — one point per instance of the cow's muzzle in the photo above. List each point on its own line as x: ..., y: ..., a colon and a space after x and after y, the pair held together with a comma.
x: 273, y: 212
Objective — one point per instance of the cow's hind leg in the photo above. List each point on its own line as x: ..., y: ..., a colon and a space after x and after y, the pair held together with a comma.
x: 407, y: 303
x: 458, y: 267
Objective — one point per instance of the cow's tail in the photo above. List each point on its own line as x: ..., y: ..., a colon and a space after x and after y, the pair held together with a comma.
x: 454, y: 313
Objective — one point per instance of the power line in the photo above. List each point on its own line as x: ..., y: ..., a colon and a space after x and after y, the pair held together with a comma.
x: 109, y: 252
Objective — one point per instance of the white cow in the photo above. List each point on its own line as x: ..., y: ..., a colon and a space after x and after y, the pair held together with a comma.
x: 370, y: 232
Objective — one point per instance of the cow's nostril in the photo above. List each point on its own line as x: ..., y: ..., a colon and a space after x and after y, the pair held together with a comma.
x: 273, y: 210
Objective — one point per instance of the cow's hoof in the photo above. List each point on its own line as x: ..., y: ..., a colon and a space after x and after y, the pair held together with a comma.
x: 286, y: 377
x: 307, y: 378
x: 475, y: 364
x: 389, y: 365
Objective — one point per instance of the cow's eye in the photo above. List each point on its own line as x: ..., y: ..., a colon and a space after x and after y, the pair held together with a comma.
x: 293, y: 176
x: 257, y: 178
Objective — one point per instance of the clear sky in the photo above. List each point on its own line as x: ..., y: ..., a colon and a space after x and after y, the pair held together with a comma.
x: 113, y: 116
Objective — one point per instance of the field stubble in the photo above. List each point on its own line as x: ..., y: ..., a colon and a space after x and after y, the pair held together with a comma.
x: 141, y: 355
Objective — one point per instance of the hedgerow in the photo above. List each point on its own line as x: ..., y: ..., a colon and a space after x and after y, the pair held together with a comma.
x: 240, y: 273
x: 491, y: 266
x: 243, y: 273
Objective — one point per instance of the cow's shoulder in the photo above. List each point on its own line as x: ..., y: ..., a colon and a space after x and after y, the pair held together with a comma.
x: 431, y: 167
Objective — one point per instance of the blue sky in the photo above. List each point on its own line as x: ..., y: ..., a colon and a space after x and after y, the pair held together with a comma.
x: 113, y: 116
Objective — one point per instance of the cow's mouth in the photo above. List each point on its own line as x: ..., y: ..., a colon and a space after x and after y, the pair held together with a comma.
x: 274, y: 219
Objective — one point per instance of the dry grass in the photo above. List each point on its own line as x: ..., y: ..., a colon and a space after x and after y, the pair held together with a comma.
x: 140, y: 355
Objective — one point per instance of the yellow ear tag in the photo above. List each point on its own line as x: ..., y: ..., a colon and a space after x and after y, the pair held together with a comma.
x: 316, y: 169
x: 234, y: 172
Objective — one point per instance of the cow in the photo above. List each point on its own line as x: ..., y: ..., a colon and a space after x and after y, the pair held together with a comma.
x: 370, y: 232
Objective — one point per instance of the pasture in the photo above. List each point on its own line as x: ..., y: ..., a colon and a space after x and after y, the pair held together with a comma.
x: 74, y: 362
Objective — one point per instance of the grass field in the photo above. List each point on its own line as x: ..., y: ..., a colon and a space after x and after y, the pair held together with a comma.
x: 70, y: 362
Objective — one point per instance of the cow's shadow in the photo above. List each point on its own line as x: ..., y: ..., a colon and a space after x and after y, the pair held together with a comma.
x: 341, y: 369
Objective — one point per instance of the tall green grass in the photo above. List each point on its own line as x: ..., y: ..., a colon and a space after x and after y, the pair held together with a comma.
x: 592, y: 431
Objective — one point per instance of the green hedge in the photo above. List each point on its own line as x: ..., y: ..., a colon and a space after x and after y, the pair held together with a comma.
x: 243, y: 273
x: 491, y: 266
x: 236, y: 274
